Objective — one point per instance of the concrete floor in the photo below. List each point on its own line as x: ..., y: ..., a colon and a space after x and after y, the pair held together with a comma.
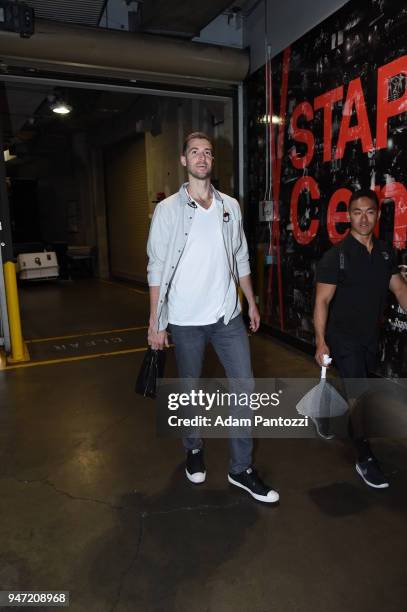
x: 94, y: 503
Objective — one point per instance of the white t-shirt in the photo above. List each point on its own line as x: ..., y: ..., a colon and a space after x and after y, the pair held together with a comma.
x: 198, y: 289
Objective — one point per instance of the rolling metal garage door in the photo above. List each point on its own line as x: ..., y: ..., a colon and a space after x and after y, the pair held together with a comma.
x: 127, y: 207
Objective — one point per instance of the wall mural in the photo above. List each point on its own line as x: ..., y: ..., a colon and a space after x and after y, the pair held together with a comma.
x: 326, y: 116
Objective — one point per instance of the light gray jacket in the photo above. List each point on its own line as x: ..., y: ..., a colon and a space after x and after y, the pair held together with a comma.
x: 170, y: 226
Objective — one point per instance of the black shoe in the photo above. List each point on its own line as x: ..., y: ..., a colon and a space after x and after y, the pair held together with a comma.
x: 322, y: 427
x: 194, y: 466
x: 371, y: 473
x: 250, y: 482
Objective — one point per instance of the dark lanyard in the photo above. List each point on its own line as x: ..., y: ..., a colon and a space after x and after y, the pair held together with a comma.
x: 226, y: 215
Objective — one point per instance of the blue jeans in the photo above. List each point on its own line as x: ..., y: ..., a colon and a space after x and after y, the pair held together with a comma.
x: 232, y: 347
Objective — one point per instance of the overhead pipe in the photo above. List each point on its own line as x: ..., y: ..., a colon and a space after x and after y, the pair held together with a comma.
x: 95, y: 51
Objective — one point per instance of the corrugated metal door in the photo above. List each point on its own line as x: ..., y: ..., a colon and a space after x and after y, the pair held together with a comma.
x: 127, y: 207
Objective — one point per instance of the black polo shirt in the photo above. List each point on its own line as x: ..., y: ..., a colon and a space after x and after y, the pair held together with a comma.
x: 361, y: 288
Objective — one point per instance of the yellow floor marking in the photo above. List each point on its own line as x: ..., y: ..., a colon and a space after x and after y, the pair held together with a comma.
x: 141, y: 291
x: 33, y: 364
x: 97, y: 333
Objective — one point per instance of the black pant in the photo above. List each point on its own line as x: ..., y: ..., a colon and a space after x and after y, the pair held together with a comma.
x: 354, y: 361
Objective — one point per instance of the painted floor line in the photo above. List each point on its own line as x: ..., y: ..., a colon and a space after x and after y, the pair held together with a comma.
x: 82, y: 334
x: 33, y: 364
x: 140, y: 291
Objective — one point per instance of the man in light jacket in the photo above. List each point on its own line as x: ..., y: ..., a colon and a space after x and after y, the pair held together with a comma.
x: 198, y: 256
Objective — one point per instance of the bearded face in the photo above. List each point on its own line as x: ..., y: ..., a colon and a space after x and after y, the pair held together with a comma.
x: 198, y: 158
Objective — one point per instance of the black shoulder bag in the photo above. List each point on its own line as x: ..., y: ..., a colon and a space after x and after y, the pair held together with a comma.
x: 151, y: 369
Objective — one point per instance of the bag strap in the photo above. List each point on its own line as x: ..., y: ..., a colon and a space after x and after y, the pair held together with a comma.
x: 387, y: 256
x: 341, y: 275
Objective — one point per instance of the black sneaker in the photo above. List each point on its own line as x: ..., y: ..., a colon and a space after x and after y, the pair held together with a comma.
x: 194, y: 466
x: 250, y: 482
x: 371, y: 473
x: 322, y: 427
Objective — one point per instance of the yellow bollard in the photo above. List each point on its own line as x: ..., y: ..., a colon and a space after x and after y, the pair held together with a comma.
x: 19, y: 351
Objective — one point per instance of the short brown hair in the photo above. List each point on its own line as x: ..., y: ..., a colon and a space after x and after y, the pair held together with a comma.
x: 200, y: 135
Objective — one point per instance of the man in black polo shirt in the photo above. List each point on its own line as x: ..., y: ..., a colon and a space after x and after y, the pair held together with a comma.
x: 353, y: 279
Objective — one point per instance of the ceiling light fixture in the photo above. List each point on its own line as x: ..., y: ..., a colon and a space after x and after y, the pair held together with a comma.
x: 58, y: 105
x: 61, y: 108
x: 275, y: 119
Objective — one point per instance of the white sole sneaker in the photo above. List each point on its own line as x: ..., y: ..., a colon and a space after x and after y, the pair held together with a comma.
x: 384, y: 485
x: 197, y: 478
x: 271, y: 498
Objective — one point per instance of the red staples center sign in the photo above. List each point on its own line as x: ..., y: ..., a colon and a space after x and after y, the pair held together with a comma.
x: 354, y: 128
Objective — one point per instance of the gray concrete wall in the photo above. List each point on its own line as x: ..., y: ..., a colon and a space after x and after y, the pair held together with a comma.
x: 177, y: 119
